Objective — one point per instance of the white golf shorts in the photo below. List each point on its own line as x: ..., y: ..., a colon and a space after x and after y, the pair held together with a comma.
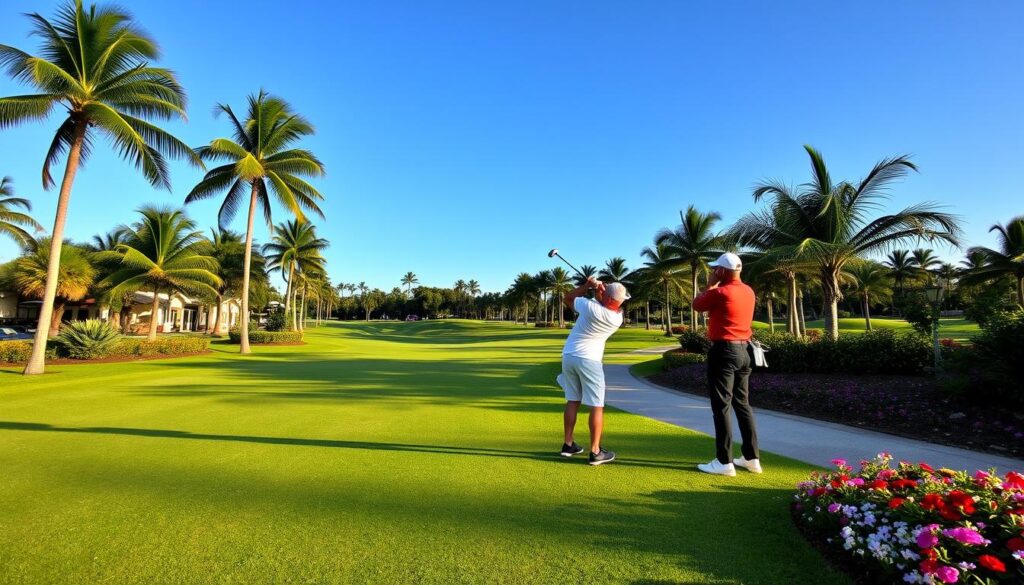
x: 582, y: 380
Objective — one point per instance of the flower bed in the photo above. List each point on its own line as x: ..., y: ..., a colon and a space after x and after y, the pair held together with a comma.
x: 916, y: 524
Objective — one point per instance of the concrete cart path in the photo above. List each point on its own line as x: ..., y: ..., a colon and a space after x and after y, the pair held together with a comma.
x: 809, y: 440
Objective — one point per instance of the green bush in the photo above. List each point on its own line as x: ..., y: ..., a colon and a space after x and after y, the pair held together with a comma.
x: 169, y: 345
x: 844, y: 314
x: 545, y: 324
x: 276, y: 320
x: 86, y: 340
x: 874, y: 352
x: 695, y: 341
x: 675, y: 358
x: 260, y: 336
x: 992, y: 369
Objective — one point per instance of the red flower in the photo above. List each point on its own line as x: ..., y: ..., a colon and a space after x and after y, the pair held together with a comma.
x: 929, y: 553
x: 896, y: 503
x: 992, y: 563
x: 961, y: 500
x: 818, y: 492
x: 924, y: 466
x: 950, y: 514
x: 879, y: 484
x: 1015, y: 544
x: 1014, y: 481
x: 929, y: 566
x: 932, y: 501
x: 902, y: 484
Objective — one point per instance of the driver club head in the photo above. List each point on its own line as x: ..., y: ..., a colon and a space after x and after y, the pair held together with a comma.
x: 553, y: 252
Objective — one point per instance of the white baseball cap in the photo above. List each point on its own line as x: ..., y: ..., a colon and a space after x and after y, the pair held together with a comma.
x: 729, y: 261
x: 616, y: 291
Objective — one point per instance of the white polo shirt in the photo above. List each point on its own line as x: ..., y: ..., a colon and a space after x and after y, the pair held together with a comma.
x: 593, y: 327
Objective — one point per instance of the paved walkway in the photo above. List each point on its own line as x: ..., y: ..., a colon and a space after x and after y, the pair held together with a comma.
x: 805, y: 439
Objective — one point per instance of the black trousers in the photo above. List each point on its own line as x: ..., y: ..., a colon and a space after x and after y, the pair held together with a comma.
x: 728, y: 384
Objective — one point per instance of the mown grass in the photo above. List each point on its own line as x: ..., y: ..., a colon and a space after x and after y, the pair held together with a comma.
x: 959, y: 329
x: 376, y: 453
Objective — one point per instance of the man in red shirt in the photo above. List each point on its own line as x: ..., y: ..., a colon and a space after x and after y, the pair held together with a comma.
x: 730, y: 307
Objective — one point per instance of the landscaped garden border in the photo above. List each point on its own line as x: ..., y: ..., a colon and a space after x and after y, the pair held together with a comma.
x: 124, y: 349
x: 263, y: 337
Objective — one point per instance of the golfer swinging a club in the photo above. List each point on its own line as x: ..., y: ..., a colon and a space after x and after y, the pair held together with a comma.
x: 582, y: 376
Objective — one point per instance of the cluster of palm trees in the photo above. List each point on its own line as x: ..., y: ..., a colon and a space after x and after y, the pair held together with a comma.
x: 817, y: 239
x: 94, y: 67
x: 463, y: 299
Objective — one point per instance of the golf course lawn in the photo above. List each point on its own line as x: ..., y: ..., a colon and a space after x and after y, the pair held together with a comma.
x: 958, y: 329
x: 376, y: 453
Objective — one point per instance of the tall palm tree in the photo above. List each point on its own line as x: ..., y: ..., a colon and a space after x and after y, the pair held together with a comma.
x: 260, y: 157
x: 95, y: 65
x: 120, y: 307
x: 408, y: 280
x: 163, y: 252
x: 75, y: 275
x: 587, y: 270
x: 473, y: 289
x: 542, y: 283
x: 521, y: 291
x: 947, y: 274
x: 561, y: 283
x: 13, y: 223
x: 228, y: 249
x: 871, y: 281
x: 1005, y: 260
x: 692, y: 244
x: 660, y: 269
x: 925, y: 261
x: 614, y: 270
x: 832, y: 225
x: 294, y: 249
x: 901, y: 267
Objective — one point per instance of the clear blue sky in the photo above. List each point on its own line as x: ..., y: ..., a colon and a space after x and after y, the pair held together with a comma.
x: 465, y: 139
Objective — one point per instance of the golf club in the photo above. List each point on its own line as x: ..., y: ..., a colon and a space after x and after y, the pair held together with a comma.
x: 554, y: 252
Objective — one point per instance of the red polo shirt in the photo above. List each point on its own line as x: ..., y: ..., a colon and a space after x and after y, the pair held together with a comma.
x: 730, y: 309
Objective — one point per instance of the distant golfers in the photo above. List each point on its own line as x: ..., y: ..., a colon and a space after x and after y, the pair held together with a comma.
x: 730, y: 307
x: 582, y: 376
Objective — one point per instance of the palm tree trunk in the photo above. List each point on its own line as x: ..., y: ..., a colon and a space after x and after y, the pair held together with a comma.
x: 867, y: 312
x: 792, y: 319
x: 302, y: 309
x: 214, y: 329
x: 802, y: 320
x: 154, y: 310
x: 830, y: 291
x: 693, y: 292
x: 35, y: 361
x: 647, y: 315
x: 246, y: 267
x: 58, y: 314
x: 526, y: 313
x: 771, y: 314
x: 668, y: 313
x: 1020, y: 291
x: 561, y: 310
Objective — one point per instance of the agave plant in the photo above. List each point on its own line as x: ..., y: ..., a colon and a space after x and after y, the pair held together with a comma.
x: 85, y: 340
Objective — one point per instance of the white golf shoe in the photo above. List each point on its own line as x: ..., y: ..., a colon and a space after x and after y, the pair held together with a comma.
x: 753, y: 465
x: 717, y: 468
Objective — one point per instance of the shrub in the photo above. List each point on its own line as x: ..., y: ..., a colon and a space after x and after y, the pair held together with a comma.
x: 277, y: 321
x: 874, y: 352
x: 86, y: 340
x: 15, y: 351
x: 259, y: 336
x: 916, y: 524
x: 676, y: 358
x: 695, y: 341
x: 844, y: 314
x: 545, y: 324
x: 916, y: 309
x: 992, y: 369
x: 679, y: 329
x: 169, y: 345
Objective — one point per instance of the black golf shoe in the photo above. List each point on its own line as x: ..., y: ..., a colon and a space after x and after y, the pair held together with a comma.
x: 602, y: 457
x: 570, y: 450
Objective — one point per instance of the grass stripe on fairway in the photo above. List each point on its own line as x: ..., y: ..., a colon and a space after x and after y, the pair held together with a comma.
x: 386, y: 453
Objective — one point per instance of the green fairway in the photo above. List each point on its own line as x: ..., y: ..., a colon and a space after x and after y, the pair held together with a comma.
x: 959, y: 329
x: 376, y: 453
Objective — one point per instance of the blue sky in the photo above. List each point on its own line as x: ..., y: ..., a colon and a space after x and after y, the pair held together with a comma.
x: 465, y: 139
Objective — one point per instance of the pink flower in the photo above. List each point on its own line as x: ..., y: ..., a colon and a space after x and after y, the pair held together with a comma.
x: 947, y: 574
x: 886, y: 474
x: 981, y: 475
x: 857, y: 481
x: 926, y: 538
x: 965, y: 535
x: 839, y: 462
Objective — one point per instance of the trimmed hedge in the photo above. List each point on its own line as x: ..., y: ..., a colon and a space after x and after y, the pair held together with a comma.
x: 694, y: 340
x: 991, y: 370
x: 545, y: 324
x: 19, y: 351
x: 873, y: 352
x: 261, y: 336
x: 15, y: 351
x: 676, y: 358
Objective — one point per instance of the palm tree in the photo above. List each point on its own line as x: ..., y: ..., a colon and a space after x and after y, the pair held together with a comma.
x: 972, y: 260
x: 228, y: 249
x: 260, y: 157
x: 561, y: 283
x: 294, y: 247
x: 947, y: 274
x: 12, y: 223
x: 460, y: 292
x: 587, y: 270
x: 120, y: 307
x: 901, y: 267
x: 95, y: 65
x: 521, y: 291
x: 1005, y: 260
x: 473, y: 289
x: 542, y: 283
x: 614, y: 270
x: 408, y: 280
x: 659, y: 269
x: 692, y: 244
x: 925, y: 261
x: 871, y: 281
x: 163, y: 252
x: 831, y: 225
x: 74, y: 277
